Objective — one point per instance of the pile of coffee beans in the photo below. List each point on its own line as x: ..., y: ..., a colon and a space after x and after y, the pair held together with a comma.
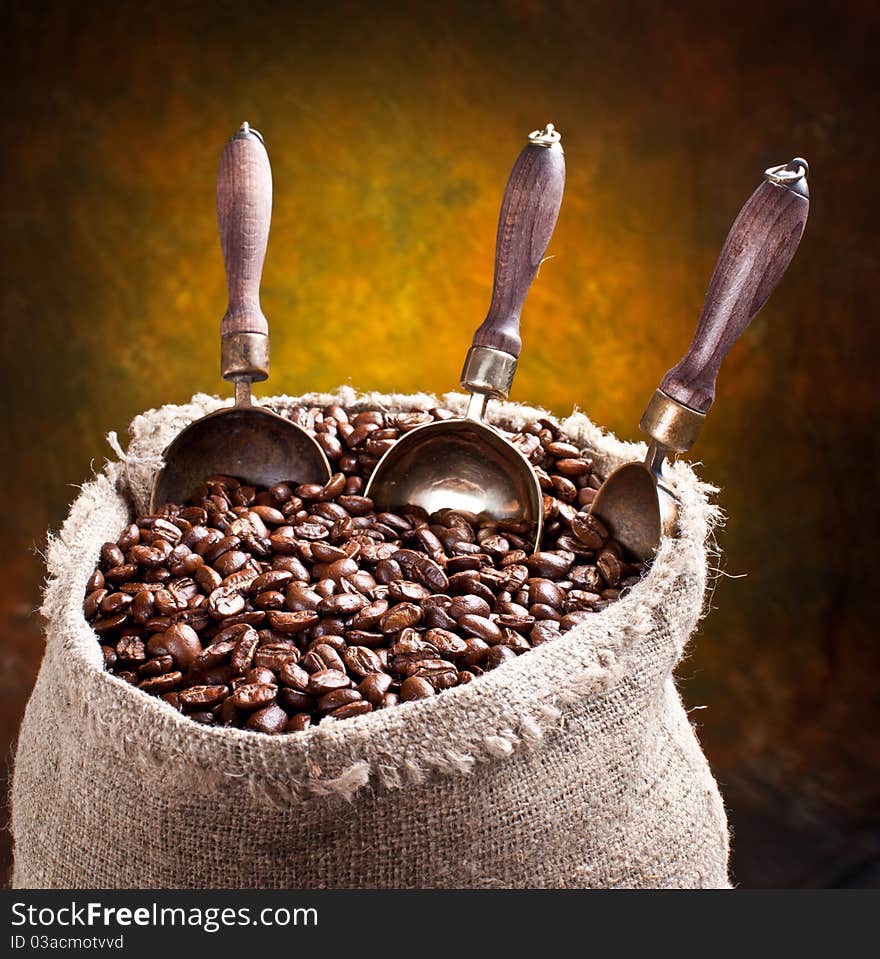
x: 273, y: 609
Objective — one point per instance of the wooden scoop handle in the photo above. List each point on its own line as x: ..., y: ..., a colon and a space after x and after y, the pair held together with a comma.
x: 244, y: 209
x: 758, y: 249
x: 528, y: 214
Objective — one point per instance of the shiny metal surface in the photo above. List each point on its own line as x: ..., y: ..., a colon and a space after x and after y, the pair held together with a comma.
x: 670, y: 423
x: 637, y: 505
x: 249, y: 442
x: 244, y: 356
x: 488, y: 371
x: 458, y: 464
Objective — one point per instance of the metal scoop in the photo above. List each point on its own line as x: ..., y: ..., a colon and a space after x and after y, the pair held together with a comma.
x: 635, y: 502
x: 246, y: 441
x: 465, y: 464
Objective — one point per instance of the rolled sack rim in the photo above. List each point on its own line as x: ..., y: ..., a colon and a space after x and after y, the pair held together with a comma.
x: 508, y: 709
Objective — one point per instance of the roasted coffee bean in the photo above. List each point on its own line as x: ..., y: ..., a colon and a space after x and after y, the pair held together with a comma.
x: 294, y: 676
x: 361, y: 661
x: 448, y: 644
x: 551, y: 565
x: 337, y: 698
x: 245, y: 649
x: 95, y: 581
x: 439, y: 673
x: 482, y: 627
x: 326, y: 680
x: 343, y: 604
x: 182, y: 642
x: 131, y: 650
x: 610, y: 567
x: 590, y: 530
x: 274, y: 657
x: 400, y: 617
x: 374, y: 686
x: 93, y: 602
x: 498, y: 655
x: 254, y: 695
x: 469, y: 604
x: 328, y: 654
x: 299, y: 721
x: 352, y: 709
x: 271, y: 719
x: 415, y: 687
x: 295, y: 701
x: 121, y: 574
x: 199, y: 697
x: 161, y: 683
x: 111, y: 555
x: 156, y: 666
x: 545, y: 591
x: 291, y: 623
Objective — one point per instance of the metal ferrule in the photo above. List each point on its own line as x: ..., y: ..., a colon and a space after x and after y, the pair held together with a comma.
x: 244, y: 356
x: 670, y: 423
x: 488, y: 371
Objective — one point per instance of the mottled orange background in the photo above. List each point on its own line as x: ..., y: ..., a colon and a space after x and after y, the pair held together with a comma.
x: 391, y: 129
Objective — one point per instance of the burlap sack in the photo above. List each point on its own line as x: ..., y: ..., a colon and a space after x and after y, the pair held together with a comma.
x: 572, y: 766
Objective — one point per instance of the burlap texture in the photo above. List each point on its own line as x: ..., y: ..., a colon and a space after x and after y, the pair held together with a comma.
x: 572, y: 766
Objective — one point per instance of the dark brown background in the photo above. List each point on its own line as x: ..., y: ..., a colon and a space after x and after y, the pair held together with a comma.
x: 391, y: 131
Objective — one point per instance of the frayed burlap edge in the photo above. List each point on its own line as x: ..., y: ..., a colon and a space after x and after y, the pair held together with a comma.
x: 517, y: 705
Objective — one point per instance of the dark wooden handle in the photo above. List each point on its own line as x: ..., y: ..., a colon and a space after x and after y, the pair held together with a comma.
x: 528, y: 214
x: 760, y: 245
x: 244, y: 209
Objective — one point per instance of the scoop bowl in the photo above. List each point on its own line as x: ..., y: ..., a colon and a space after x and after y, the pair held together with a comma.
x: 250, y: 443
x: 636, y: 508
x: 463, y: 465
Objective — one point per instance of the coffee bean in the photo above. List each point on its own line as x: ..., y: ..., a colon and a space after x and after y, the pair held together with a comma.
x: 352, y: 709
x: 475, y: 652
x: 480, y: 626
x: 298, y: 722
x: 271, y: 719
x: 590, y: 530
x: 551, y: 565
x: 326, y: 680
x: 374, y: 686
x: 610, y: 567
x: 570, y: 620
x: 400, y: 617
x: 361, y: 661
x: 198, y: 697
x: 469, y: 604
x: 182, y: 642
x: 498, y: 655
x: 447, y: 643
x: 439, y: 673
x: 254, y: 695
x: 415, y: 687
x: 111, y: 555
x: 343, y: 604
x: 337, y: 698
x: 274, y: 657
x: 156, y: 666
x: 163, y: 683
x: 295, y: 701
x: 545, y: 591
x: 131, y: 650
x: 544, y: 631
x: 291, y: 623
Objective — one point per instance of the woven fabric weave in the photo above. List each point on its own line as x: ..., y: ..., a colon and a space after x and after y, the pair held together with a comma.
x: 572, y: 766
